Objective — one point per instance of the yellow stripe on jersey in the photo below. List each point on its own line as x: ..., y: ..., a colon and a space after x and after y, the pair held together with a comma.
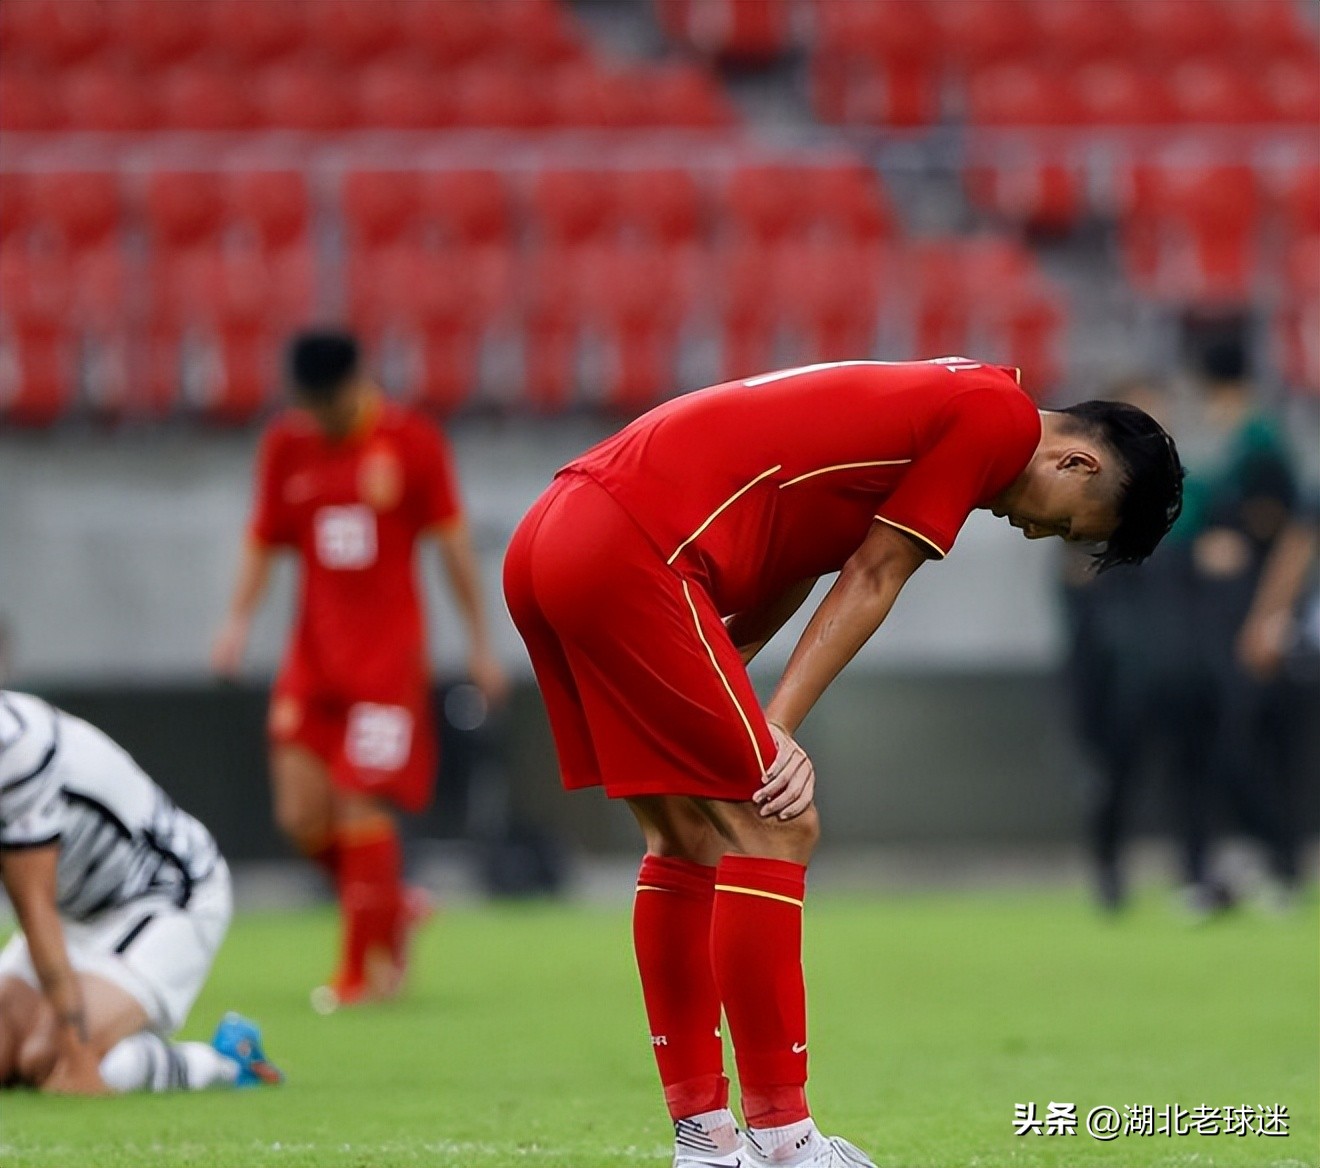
x: 716, y: 513
x: 939, y: 551
x: 845, y: 466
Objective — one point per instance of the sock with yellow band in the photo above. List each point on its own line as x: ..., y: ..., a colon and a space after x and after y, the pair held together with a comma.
x: 756, y: 952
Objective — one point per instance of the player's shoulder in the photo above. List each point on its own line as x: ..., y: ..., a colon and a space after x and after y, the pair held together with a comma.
x: 286, y: 430
x: 980, y: 389
x: 28, y: 734
x: 406, y: 419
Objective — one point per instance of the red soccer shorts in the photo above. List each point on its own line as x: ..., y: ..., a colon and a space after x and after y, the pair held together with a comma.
x: 646, y: 693
x: 384, y: 746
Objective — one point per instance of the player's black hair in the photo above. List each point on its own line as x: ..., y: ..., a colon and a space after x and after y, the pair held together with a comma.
x: 1151, y: 495
x: 321, y: 362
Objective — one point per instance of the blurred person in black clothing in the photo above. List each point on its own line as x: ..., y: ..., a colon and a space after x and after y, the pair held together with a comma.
x: 1129, y: 675
x: 1181, y: 660
x: 1241, y: 499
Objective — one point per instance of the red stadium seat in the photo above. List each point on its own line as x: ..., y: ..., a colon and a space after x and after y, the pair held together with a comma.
x: 38, y: 371
x: 582, y: 93
x: 1073, y: 32
x: 761, y: 203
x: 1263, y: 29
x: 1170, y: 29
x: 57, y: 32
x: 1190, y: 232
x: 978, y: 33
x: 204, y: 98
x: 350, y: 32
x: 941, y: 309
x: 829, y: 292
x: 860, y: 90
x: 107, y: 98
x: 681, y: 94
x: 471, y: 206
x: 250, y: 34
x: 154, y: 35
x: 847, y: 201
x: 1030, y: 189
x: 15, y: 204
x: 1298, y: 194
x: 184, y: 207
x: 744, y: 278
x: 573, y: 207
x: 1215, y: 92
x: 401, y: 95
x: 450, y: 32
x: 1118, y: 93
x: 639, y: 300
x: 534, y: 32
x: 300, y: 95
x: 554, y: 283
x: 84, y: 207
x: 27, y: 103
x: 274, y: 203
x: 745, y: 32
x: 498, y: 95
x: 1019, y: 94
x: 660, y: 205
x: 1291, y: 89
x: 380, y: 206
x: 883, y: 30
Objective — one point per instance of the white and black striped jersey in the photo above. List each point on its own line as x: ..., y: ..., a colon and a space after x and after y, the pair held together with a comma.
x: 121, y: 837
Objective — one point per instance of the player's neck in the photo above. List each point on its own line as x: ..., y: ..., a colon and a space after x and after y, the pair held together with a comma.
x: 1012, y: 496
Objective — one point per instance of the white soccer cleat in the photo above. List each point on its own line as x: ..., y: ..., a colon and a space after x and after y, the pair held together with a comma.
x: 827, y: 1152
x: 686, y: 1158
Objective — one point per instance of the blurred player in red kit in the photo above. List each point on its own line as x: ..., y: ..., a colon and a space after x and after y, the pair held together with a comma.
x: 656, y: 566
x: 350, y: 483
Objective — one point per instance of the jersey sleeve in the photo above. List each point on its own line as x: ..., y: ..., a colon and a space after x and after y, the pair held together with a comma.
x: 271, y: 524
x: 981, y: 442
x: 31, y: 807
x: 435, y: 482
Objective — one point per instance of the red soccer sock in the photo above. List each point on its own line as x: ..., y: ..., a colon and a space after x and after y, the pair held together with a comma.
x: 756, y: 951
x: 370, y: 873
x: 671, y: 935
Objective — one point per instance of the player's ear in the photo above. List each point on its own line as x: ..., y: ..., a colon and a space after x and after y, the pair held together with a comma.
x: 1080, y: 460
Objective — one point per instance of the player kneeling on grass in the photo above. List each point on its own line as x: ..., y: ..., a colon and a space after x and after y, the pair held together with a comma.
x: 122, y: 902
x: 660, y: 562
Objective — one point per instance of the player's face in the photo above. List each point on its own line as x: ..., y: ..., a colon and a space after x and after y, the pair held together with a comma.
x: 339, y: 415
x: 1069, y: 508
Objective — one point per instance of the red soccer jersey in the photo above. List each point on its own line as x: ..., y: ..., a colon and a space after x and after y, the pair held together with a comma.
x: 752, y: 486
x: 353, y: 509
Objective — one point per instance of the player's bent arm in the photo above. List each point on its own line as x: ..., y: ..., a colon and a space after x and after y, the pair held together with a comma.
x: 253, y: 576
x: 1263, y: 636
x: 751, y: 631
x: 29, y: 876
x: 851, y: 612
x: 460, y: 561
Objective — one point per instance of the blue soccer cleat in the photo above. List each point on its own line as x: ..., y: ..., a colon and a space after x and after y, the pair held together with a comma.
x: 239, y: 1038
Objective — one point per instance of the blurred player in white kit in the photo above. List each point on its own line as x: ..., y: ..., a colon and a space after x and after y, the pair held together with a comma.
x: 122, y: 902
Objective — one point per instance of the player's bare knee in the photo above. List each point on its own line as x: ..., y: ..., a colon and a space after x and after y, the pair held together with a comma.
x: 36, y: 1055
x: 751, y: 833
x: 675, y: 826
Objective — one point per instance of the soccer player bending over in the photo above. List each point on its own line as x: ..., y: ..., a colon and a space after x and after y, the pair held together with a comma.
x: 350, y: 483
x: 656, y: 566
x: 122, y: 902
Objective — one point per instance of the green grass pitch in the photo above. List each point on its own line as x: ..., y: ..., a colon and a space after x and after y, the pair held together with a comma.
x: 522, y: 1042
